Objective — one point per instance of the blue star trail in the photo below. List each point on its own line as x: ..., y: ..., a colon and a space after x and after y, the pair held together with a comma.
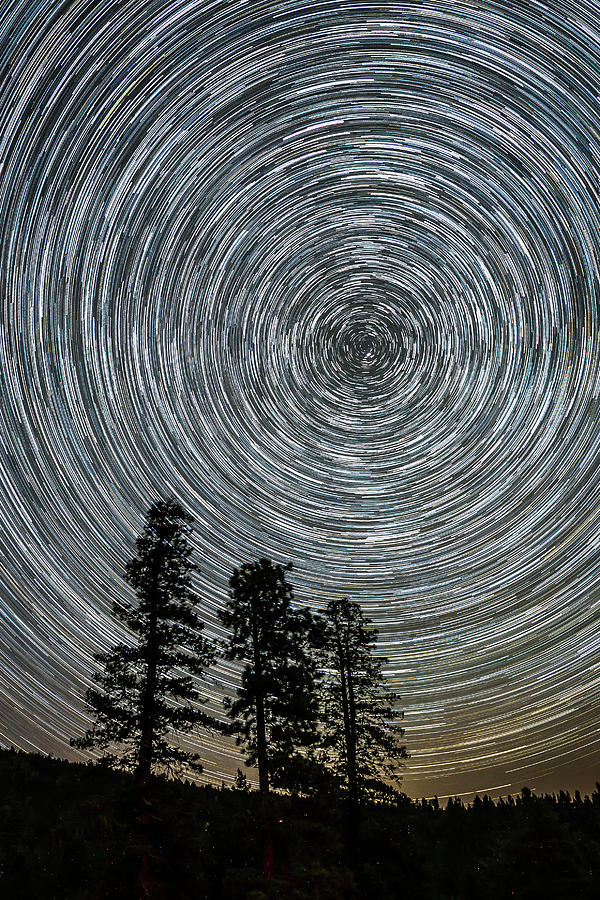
x: 327, y: 273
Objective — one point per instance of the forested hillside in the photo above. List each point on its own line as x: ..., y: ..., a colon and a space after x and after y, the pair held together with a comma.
x: 67, y: 832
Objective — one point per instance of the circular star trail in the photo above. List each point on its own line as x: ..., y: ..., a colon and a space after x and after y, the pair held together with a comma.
x: 328, y: 274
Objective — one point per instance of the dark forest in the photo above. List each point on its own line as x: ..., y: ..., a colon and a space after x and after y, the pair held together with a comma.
x: 67, y: 831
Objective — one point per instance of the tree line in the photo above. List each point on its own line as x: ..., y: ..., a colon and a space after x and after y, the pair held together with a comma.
x: 311, y: 712
x: 66, y: 831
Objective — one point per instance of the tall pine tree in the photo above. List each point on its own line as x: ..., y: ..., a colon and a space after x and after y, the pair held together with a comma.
x: 360, y: 730
x: 276, y: 707
x: 147, y: 687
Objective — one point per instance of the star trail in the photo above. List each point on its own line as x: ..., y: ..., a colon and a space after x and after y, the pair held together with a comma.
x: 327, y: 273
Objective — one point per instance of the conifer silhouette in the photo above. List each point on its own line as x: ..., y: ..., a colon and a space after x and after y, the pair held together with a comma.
x: 360, y: 730
x: 147, y: 687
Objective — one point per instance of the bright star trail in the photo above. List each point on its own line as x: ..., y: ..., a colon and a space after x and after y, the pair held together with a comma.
x: 327, y: 273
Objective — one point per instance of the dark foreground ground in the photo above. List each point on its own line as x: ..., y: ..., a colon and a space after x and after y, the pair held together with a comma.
x: 69, y: 832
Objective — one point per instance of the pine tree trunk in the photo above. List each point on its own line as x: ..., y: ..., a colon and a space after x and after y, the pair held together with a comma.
x: 349, y: 717
x: 147, y: 717
x: 351, y: 748
x: 261, y: 756
x: 353, y: 841
x: 261, y: 747
x: 263, y: 769
x: 144, y: 881
x: 261, y: 728
x: 144, y: 766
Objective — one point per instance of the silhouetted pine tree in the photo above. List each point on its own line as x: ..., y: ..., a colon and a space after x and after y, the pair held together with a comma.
x: 276, y: 708
x: 360, y: 731
x: 147, y: 689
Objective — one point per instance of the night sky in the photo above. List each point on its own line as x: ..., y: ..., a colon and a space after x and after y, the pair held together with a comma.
x: 326, y: 272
